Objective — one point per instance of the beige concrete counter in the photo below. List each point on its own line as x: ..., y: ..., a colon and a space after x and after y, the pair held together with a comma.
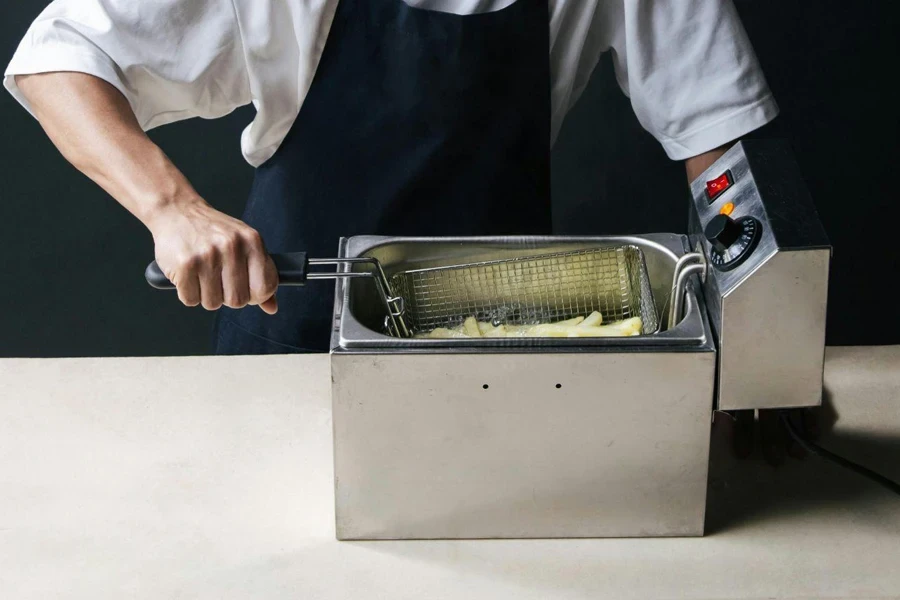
x: 210, y: 477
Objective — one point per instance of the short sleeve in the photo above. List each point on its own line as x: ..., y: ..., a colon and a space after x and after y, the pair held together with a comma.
x: 172, y: 59
x: 691, y: 73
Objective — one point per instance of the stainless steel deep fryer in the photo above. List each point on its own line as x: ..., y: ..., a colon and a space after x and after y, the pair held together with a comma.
x: 583, y: 437
x: 569, y: 437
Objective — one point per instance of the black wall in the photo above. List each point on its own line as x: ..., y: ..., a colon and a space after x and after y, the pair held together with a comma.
x: 71, y: 272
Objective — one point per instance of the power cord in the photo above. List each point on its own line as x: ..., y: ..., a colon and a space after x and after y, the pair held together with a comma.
x: 840, y: 460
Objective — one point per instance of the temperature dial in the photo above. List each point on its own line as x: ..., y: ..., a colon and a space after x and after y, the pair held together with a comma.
x: 731, y: 240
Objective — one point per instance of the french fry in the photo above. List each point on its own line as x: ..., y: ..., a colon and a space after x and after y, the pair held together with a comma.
x: 593, y: 320
x: 516, y: 331
x: 589, y: 326
x: 569, y: 322
x: 470, y: 328
x: 497, y: 332
x: 628, y: 327
x: 442, y: 332
x: 635, y: 324
x: 600, y: 331
x: 550, y: 330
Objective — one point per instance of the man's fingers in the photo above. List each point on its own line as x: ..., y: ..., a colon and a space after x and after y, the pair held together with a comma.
x: 188, y: 286
x: 235, y: 279
x: 263, y: 279
x: 211, y: 292
x: 270, y: 306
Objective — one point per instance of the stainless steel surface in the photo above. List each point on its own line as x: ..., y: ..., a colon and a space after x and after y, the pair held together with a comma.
x: 747, y: 202
x: 587, y: 437
x: 358, y: 326
x: 393, y: 306
x: 528, y: 290
x: 771, y: 353
x: 557, y: 439
x: 423, y: 450
x: 697, y: 261
x: 768, y: 313
x: 679, y: 287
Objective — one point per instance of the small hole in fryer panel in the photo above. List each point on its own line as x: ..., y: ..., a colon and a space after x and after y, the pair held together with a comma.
x: 558, y: 385
x: 485, y: 386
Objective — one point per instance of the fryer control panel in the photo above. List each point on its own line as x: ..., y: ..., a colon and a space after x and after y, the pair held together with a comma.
x: 766, y: 282
x: 729, y: 219
x: 749, y: 205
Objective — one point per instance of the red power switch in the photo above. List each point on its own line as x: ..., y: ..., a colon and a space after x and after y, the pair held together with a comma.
x: 715, y: 187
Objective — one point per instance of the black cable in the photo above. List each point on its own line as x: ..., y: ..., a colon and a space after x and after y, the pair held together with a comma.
x: 822, y: 452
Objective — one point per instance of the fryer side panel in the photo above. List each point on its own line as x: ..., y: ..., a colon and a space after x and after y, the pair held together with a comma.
x: 772, y: 345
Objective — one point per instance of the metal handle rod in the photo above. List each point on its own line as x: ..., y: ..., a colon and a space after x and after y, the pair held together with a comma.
x: 689, y: 258
x: 679, y: 283
x: 681, y: 263
x: 393, y: 304
x: 348, y: 275
x: 678, y: 290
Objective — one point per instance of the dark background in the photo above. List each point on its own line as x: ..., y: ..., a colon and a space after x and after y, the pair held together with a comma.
x: 71, y: 273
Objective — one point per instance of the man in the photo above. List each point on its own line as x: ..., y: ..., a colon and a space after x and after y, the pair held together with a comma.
x: 423, y: 117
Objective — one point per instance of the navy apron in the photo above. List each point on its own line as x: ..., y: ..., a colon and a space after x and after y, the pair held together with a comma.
x: 417, y: 123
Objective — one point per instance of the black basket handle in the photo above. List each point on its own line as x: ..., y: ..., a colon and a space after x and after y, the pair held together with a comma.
x: 293, y: 269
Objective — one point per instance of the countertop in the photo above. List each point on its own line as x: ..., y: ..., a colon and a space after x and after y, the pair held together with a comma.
x: 211, y: 477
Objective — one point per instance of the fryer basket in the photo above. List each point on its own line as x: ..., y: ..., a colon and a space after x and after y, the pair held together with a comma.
x: 530, y: 290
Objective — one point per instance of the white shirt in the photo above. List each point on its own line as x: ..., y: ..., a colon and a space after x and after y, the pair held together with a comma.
x: 687, y: 65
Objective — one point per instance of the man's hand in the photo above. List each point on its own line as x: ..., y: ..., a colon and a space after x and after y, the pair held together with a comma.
x: 213, y: 259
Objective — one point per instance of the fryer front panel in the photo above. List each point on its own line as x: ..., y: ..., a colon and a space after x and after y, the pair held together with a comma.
x: 521, y: 446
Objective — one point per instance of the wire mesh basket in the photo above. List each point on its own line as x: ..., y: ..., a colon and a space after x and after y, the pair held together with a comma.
x: 530, y: 290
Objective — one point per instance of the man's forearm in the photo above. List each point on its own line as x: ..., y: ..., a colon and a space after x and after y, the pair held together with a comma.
x: 212, y: 258
x: 93, y: 126
x: 697, y: 164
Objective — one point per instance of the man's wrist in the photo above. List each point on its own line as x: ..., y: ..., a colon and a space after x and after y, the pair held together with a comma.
x: 697, y: 164
x: 160, y: 207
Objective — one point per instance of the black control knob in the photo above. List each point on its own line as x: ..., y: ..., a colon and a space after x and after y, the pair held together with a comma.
x: 722, y: 231
x: 732, y: 241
